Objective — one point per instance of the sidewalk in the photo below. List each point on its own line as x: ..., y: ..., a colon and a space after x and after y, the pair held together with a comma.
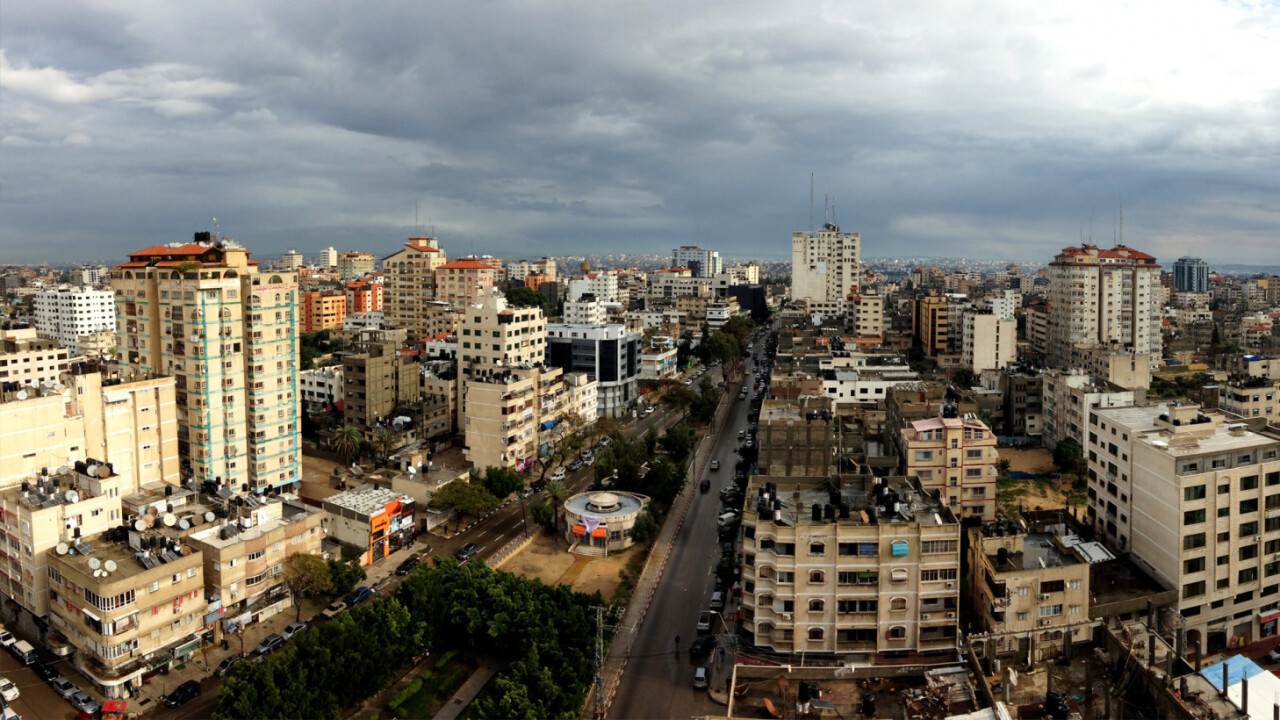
x: 468, y: 692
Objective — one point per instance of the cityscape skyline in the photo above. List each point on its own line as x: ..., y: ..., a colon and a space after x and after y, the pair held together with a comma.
x: 549, y: 130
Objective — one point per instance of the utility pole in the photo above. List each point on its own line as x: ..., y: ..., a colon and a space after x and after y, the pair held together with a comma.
x: 598, y: 681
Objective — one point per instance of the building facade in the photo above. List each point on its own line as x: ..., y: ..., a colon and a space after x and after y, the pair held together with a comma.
x: 68, y: 314
x: 464, y: 282
x: 411, y: 286
x: 702, y: 262
x: 1103, y: 297
x: 956, y: 457
x: 30, y: 361
x: 608, y: 354
x: 352, y: 265
x: 826, y: 265
x: 1191, y: 274
x: 323, y: 311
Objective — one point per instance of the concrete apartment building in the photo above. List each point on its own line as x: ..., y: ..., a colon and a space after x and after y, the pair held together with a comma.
x: 321, y: 386
x: 510, y: 414
x: 851, y: 565
x: 372, y: 521
x: 244, y: 557
x: 323, y: 310
x: 1069, y: 397
x: 931, y: 319
x: 1022, y: 392
x: 990, y: 342
x: 69, y: 314
x: 202, y: 313
x: 586, y: 311
x: 603, y: 286
x: 1030, y: 585
x: 104, y: 415
x: 376, y: 380
x: 519, y: 270
x: 1251, y: 397
x: 797, y: 437
x: 700, y: 261
x: 410, y: 286
x: 365, y: 295
x: 146, y: 611
x: 955, y: 456
x: 79, y: 501
x: 864, y: 316
x: 826, y: 264
x: 291, y: 260
x: 1099, y: 297
x: 328, y: 258
x: 1191, y: 274
x: 352, y: 265
x: 1205, y: 516
x: 464, y: 282
x: 28, y: 361
x: 608, y: 354
x: 1038, y: 320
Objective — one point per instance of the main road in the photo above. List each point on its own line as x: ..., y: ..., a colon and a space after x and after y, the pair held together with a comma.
x: 658, y: 682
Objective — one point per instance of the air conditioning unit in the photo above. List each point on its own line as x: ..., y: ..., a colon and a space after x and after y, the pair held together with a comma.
x: 1044, y: 623
x: 925, y: 616
x: 786, y: 616
x: 951, y: 586
x: 1044, y: 596
x: 951, y: 616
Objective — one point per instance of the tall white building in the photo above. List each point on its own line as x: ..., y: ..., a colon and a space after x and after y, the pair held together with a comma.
x: 988, y: 341
x: 291, y: 260
x: 67, y: 314
x: 826, y: 265
x: 603, y: 285
x: 328, y: 258
x: 703, y: 262
x: 1103, y: 297
x: 587, y: 311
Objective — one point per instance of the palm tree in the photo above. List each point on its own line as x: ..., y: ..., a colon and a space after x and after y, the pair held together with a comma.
x: 346, y: 442
x: 556, y: 493
x: 385, y: 442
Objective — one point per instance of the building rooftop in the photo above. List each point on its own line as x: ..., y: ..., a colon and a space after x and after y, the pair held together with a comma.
x: 365, y: 500
x: 859, y: 500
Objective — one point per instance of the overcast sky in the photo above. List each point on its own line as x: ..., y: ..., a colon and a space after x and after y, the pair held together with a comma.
x: 981, y: 129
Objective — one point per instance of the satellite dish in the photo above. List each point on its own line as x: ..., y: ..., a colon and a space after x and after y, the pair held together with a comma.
x: 95, y: 563
x: 62, y: 548
x: 149, y: 520
x: 22, y: 395
x: 139, y: 525
x: 183, y: 524
x: 91, y: 471
x: 63, y: 470
x: 169, y: 520
x: 109, y: 565
x: 209, y: 516
x: 72, y: 496
x: 413, y: 470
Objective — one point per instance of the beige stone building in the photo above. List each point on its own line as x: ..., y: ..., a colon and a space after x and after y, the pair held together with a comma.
x: 244, y: 559
x: 797, y: 437
x: 931, y: 318
x: 957, y: 457
x: 1097, y: 297
x: 202, y: 313
x: 1252, y: 397
x: 509, y: 416
x: 826, y: 264
x: 864, y: 315
x: 376, y: 380
x: 29, y: 361
x: 99, y: 413
x: 1200, y: 493
x: 1030, y: 585
x: 411, y: 286
x: 126, y: 610
x: 464, y: 282
x: 352, y: 265
x: 849, y: 565
x: 989, y: 342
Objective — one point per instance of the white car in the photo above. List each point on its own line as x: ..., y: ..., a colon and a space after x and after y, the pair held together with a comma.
x: 7, y: 638
x: 558, y: 475
x: 8, y: 690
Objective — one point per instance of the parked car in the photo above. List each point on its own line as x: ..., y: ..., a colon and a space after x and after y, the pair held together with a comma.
x: 574, y: 465
x: 84, y: 703
x: 45, y: 671
x: 7, y: 639
x: 717, y: 600
x: 704, y: 621
x: 408, y: 565
x: 334, y: 608
x: 742, y: 434
x: 8, y: 690
x: 649, y: 410
x: 1274, y: 655
x: 362, y: 594
x: 604, y: 443
x: 467, y: 552
x: 183, y: 693
x: 705, y: 485
x: 558, y: 475
x: 588, y: 461
x: 269, y: 643
x: 588, y: 455
x: 715, y: 464
x: 699, y: 678
x: 64, y: 687
x: 728, y: 518
x: 701, y: 647
x: 225, y: 666
x: 292, y: 630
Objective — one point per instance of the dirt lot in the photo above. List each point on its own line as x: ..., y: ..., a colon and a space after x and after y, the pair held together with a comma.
x: 549, y: 558
x: 1036, y: 461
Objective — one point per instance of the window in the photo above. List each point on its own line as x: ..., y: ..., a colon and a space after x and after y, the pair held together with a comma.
x: 1195, y: 492
x: 1050, y: 586
x: 817, y: 576
x: 817, y: 548
x: 815, y: 633
x: 1192, y: 517
x: 257, y: 554
x: 1192, y: 542
x: 1193, y: 565
x: 898, y: 603
x: 1050, y: 610
x: 937, y: 547
x: 897, y: 632
x: 1248, y: 552
x: 1249, y: 482
x: 939, y: 574
x: 816, y: 606
x: 1194, y: 589
x: 1249, y: 506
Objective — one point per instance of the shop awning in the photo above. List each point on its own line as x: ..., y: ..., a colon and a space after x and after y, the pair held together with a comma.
x: 599, y: 533
x: 579, y: 530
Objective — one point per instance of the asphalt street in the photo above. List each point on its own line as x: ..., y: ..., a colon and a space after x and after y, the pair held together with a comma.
x: 658, y: 681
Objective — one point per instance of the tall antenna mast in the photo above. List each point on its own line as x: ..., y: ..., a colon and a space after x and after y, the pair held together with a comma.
x: 1121, y: 222
x: 810, y: 203
x: 416, y: 226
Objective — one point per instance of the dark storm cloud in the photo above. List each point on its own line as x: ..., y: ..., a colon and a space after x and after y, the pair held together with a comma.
x: 523, y: 128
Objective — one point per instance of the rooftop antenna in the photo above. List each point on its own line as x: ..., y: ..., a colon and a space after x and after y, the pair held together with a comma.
x: 811, y: 203
x: 1121, y: 222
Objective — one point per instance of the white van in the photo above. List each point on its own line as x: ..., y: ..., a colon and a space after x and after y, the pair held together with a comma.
x: 727, y: 519
x: 700, y: 678
x: 24, y: 652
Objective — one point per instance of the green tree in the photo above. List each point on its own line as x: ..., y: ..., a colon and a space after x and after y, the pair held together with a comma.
x: 306, y: 576
x: 464, y: 498
x: 650, y: 441
x: 555, y: 494
x: 543, y: 515
x: 346, y: 441
x: 525, y: 297
x: 1069, y: 456
x: 964, y: 378
x: 501, y: 482
x: 645, y: 528
x: 677, y: 442
x: 1003, y: 466
x: 664, y: 481
x: 384, y: 441
x: 345, y: 575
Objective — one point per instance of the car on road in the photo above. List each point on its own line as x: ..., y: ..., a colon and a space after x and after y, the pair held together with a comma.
x: 362, y: 594
x: 704, y: 621
x: 269, y: 643
x: 183, y: 694
x: 689, y: 381
x: 225, y: 666
x: 715, y: 464
x: 604, y: 443
x: 749, y: 443
x: 84, y: 703
x: 717, y: 600
x: 64, y: 687
x: 649, y: 410
x: 528, y: 492
x: 467, y: 552
x: 705, y: 485
x: 7, y: 639
x: 45, y: 671
x: 558, y: 475
x: 334, y: 608
x: 1274, y: 655
x: 742, y: 434
x: 574, y: 465
x: 728, y: 518
x: 700, y: 678
x: 588, y: 461
x: 8, y: 690
x: 588, y: 455
x: 408, y: 565
x: 701, y: 647
x: 292, y: 630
